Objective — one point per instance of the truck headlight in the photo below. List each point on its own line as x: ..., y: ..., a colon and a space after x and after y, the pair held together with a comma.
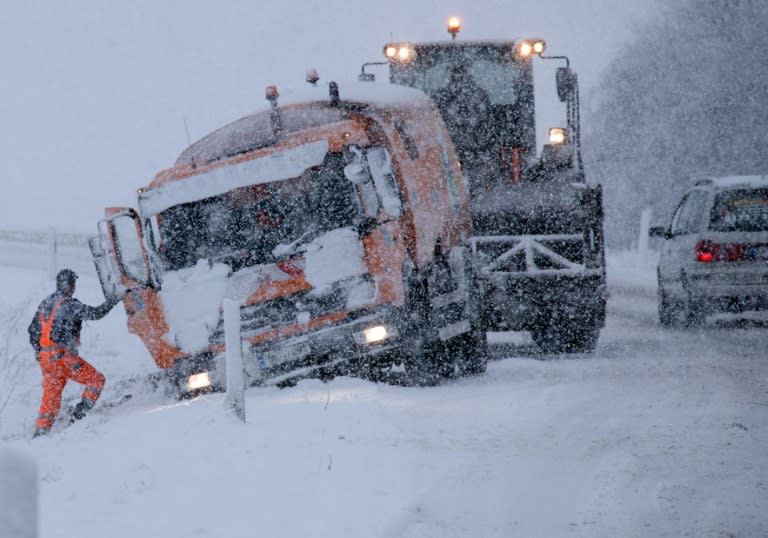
x: 199, y: 381
x: 374, y: 335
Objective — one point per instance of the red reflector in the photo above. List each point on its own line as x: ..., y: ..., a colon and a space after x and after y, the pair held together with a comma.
x: 705, y: 257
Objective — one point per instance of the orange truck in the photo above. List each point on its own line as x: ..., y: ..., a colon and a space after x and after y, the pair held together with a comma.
x: 339, y: 220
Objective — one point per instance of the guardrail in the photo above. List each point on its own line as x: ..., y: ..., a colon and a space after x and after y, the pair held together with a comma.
x: 64, y: 239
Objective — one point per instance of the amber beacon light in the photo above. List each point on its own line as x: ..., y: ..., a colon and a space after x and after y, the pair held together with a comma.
x: 454, y: 26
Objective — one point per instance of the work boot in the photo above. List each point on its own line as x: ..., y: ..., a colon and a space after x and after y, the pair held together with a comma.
x: 80, y: 410
x: 39, y: 432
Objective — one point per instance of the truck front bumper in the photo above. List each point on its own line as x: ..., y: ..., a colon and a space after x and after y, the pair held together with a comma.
x: 370, y: 338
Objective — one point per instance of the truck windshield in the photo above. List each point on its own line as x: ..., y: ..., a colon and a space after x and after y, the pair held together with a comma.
x: 742, y: 210
x: 243, y: 227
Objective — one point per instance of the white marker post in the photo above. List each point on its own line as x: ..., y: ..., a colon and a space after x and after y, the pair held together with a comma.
x: 18, y: 495
x: 642, y: 243
x: 52, y: 254
x: 235, y: 399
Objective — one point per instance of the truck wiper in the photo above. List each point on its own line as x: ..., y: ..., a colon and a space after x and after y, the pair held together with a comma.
x: 282, y: 251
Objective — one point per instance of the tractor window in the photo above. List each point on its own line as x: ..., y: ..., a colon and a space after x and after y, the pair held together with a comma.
x: 497, y: 80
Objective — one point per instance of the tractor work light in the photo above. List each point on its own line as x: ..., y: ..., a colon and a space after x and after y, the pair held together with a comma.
x: 199, y: 381
x: 454, y: 26
x: 399, y: 52
x: 558, y: 135
x: 529, y: 47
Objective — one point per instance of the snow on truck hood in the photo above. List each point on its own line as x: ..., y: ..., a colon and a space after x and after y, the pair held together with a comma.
x: 275, y: 167
x: 192, y: 297
x: 375, y: 93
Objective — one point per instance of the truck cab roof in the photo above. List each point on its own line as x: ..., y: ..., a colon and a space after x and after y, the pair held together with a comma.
x: 300, y: 109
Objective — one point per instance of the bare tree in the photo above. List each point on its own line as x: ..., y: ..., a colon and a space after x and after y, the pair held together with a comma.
x: 687, y: 97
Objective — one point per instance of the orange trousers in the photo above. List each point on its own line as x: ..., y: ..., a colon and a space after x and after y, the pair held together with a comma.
x: 58, y: 367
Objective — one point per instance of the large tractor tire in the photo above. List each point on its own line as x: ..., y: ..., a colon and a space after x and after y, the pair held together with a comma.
x: 555, y: 333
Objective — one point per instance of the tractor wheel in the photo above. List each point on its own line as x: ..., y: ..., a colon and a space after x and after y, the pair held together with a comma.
x: 564, y: 336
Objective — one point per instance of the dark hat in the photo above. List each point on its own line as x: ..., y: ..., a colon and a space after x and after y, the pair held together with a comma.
x: 65, y: 280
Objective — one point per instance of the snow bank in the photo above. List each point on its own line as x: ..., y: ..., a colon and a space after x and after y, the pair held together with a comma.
x: 18, y: 495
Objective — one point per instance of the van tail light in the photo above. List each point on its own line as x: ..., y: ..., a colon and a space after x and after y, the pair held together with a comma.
x: 708, y: 251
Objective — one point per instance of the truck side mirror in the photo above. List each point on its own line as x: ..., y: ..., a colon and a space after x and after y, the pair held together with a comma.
x: 566, y: 83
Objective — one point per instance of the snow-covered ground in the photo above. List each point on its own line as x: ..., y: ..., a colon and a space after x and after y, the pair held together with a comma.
x: 657, y: 433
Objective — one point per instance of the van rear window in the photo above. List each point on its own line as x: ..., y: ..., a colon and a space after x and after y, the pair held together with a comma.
x: 742, y: 210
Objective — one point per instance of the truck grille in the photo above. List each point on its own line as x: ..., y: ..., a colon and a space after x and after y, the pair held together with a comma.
x: 284, y: 311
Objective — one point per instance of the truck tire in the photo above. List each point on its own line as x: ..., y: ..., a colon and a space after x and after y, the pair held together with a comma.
x: 471, y: 348
x: 423, y: 352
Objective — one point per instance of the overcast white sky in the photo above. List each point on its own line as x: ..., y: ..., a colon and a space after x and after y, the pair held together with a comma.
x: 94, y: 95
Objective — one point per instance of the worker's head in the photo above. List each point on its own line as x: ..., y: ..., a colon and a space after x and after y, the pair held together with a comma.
x: 65, y: 281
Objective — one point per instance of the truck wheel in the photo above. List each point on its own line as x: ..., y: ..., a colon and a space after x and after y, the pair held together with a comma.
x: 422, y: 349
x: 472, y: 347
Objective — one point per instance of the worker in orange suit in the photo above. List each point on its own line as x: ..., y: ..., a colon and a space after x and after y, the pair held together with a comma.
x: 55, y: 335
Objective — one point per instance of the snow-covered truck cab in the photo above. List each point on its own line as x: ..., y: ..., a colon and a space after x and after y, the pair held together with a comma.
x: 337, y: 221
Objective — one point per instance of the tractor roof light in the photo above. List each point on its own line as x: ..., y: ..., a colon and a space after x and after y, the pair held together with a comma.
x: 399, y: 52
x: 525, y: 49
x: 558, y: 135
x: 454, y: 26
x: 528, y: 47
